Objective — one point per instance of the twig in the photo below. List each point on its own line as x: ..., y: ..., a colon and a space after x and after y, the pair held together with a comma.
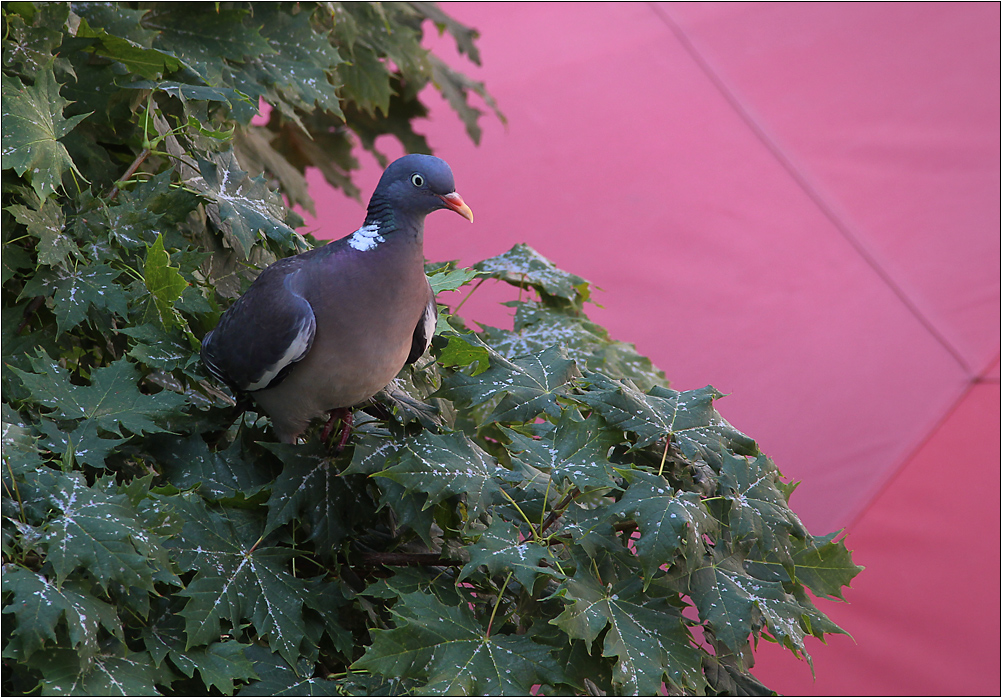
x: 130, y: 172
x: 29, y: 310
x: 559, y: 510
x: 469, y: 294
x: 399, y: 558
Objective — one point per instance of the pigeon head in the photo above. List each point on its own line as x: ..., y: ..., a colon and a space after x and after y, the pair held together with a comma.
x: 413, y: 187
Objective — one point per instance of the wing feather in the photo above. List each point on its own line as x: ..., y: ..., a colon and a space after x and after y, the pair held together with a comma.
x: 263, y: 334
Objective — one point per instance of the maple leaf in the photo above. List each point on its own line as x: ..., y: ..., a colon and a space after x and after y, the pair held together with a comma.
x: 499, y: 548
x: 529, y: 385
x: 235, y: 581
x: 648, y: 639
x: 33, y: 123
x: 112, y: 401
x: 447, y: 648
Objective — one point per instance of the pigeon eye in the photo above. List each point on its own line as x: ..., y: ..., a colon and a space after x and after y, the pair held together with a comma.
x: 417, y: 180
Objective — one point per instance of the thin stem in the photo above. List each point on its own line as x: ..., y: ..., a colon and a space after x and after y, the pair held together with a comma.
x: 256, y: 544
x: 536, y: 537
x: 476, y: 287
x: 546, y: 497
x: 664, y: 453
x: 494, y: 611
x: 135, y: 274
x: 17, y: 492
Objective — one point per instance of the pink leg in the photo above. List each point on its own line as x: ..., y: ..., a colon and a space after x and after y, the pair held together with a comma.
x: 346, y: 429
x: 345, y: 415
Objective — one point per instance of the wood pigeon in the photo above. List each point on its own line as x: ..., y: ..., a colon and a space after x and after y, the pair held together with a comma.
x: 319, y: 332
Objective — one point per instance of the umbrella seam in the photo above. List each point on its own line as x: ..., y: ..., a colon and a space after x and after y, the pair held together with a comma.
x: 813, y: 193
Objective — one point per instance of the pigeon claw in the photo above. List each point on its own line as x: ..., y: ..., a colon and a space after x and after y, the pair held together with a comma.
x: 345, y: 415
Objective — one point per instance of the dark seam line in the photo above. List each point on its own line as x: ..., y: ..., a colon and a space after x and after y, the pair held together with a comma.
x: 982, y: 378
x: 868, y: 502
x: 808, y: 189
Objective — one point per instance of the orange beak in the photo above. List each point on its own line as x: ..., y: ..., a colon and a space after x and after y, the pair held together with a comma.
x: 455, y: 202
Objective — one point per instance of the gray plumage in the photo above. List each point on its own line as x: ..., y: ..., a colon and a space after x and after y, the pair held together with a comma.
x: 328, y: 328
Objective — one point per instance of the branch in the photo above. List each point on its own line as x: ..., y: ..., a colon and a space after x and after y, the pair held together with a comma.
x: 398, y: 558
x: 559, y: 510
x: 131, y: 171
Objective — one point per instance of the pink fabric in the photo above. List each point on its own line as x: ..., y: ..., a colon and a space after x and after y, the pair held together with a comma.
x: 797, y: 203
x: 925, y: 613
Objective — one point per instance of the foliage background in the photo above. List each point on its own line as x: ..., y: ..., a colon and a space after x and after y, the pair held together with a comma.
x: 556, y: 525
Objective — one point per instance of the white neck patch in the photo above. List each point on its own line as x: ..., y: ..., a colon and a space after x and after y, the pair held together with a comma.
x: 366, y: 238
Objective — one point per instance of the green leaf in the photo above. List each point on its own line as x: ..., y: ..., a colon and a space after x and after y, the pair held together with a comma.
x: 719, y: 589
x: 218, y: 664
x: 147, y: 62
x: 688, y: 417
x: 82, y: 442
x: 759, y: 510
x: 538, y: 326
x: 46, y: 224
x: 32, y: 124
x: 648, y: 639
x: 311, y: 488
x: 187, y: 461
x: 825, y: 569
x: 462, y: 34
x: 303, y: 63
x: 186, y: 92
x: 204, y: 37
x: 367, y: 80
x: 523, y: 266
x: 280, y: 679
x: 579, y: 451
x: 372, y: 452
x: 117, y: 19
x: 164, y: 282
x: 20, y: 452
x: 38, y: 606
x: 459, y: 352
x: 108, y: 674
x: 112, y: 401
x: 448, y: 648
x: 29, y: 50
x: 242, y: 206
x: 444, y: 465
x: 670, y: 521
x: 235, y: 581
x: 451, y: 279
x: 500, y: 549
x: 456, y: 88
x: 99, y: 529
x: 159, y: 348
x: 529, y: 385
x: 821, y: 564
x: 14, y: 259
x: 74, y: 292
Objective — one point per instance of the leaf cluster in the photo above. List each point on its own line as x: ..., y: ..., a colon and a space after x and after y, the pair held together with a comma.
x: 523, y: 507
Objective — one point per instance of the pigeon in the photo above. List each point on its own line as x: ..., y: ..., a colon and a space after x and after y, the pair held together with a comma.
x: 325, y: 330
